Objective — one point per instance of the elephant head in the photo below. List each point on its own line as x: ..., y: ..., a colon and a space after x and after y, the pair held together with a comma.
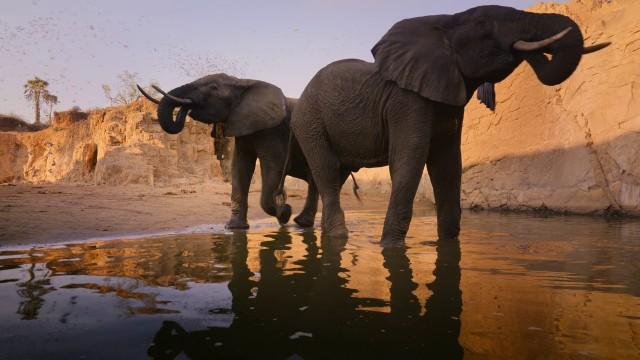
x: 243, y: 106
x: 446, y: 57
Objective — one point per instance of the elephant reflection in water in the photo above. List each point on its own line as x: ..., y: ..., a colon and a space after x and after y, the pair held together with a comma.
x: 33, y: 291
x: 313, y: 314
x: 437, y: 331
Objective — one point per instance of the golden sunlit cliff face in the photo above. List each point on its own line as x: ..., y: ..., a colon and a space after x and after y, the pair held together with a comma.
x: 118, y: 145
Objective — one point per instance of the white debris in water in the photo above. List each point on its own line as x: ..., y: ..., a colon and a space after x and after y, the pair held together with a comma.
x: 300, y: 334
x: 533, y: 328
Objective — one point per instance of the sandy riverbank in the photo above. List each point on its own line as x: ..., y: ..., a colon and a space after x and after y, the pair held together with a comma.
x: 42, y: 214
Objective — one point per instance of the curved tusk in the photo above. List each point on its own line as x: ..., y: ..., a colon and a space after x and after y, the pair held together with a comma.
x: 156, y: 101
x: 594, y: 48
x: 537, y: 45
x: 176, y: 99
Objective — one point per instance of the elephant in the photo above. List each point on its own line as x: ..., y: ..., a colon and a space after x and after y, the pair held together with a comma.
x: 406, y: 108
x: 257, y: 114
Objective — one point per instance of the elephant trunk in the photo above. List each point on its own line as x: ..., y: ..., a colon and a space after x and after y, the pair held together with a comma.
x: 565, y: 52
x: 166, y: 108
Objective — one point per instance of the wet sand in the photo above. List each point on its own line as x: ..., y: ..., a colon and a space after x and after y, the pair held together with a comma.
x: 44, y: 214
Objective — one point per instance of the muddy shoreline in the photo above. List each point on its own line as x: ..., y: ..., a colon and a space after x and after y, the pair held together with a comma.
x: 56, y: 213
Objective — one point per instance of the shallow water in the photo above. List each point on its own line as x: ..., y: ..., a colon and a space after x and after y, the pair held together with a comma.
x: 515, y: 286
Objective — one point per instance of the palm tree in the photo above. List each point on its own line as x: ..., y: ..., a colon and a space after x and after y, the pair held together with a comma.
x: 50, y: 100
x: 34, y: 90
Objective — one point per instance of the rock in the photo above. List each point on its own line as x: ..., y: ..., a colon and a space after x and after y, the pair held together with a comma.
x: 12, y: 154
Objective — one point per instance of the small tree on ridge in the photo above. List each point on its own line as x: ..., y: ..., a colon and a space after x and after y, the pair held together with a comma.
x: 34, y: 91
x: 50, y: 100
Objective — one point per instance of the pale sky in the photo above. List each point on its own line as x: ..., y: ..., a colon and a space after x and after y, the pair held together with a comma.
x: 79, y: 45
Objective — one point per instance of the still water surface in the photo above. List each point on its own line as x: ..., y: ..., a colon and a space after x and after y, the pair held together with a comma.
x: 514, y: 287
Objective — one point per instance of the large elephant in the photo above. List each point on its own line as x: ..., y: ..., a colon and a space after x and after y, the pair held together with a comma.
x: 406, y: 109
x: 257, y: 114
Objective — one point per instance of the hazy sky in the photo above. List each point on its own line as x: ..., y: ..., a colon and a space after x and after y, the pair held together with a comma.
x: 79, y: 45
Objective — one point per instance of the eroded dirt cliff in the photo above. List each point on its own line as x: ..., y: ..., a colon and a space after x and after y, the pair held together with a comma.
x: 119, y: 145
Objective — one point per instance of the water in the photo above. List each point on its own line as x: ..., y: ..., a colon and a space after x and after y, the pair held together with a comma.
x: 514, y: 287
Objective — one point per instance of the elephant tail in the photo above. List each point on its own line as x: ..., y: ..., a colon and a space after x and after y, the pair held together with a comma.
x: 355, y: 188
x: 280, y: 194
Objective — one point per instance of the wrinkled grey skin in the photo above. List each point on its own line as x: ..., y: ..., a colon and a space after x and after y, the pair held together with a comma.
x: 406, y: 109
x: 257, y: 114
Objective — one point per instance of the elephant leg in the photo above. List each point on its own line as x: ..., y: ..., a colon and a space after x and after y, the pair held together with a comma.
x: 271, y: 147
x: 445, y: 170
x: 271, y: 174
x: 409, y: 147
x: 307, y: 216
x: 242, y: 168
x: 405, y: 179
x: 325, y: 168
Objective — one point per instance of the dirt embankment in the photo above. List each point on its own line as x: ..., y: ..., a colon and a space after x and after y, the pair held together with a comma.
x: 116, y: 146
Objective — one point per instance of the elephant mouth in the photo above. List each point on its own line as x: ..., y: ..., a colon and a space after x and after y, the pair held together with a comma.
x: 203, y: 117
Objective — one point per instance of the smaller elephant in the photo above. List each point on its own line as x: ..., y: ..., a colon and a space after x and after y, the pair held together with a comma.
x: 257, y: 114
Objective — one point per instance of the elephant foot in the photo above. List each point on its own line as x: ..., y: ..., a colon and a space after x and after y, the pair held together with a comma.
x: 304, y: 221
x: 393, y: 235
x: 338, y: 231
x: 448, y: 238
x: 391, y: 242
x: 236, y: 224
x: 449, y: 233
x: 284, y: 214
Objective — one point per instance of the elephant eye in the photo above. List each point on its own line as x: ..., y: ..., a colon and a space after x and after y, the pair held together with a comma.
x: 483, y: 27
x: 482, y: 22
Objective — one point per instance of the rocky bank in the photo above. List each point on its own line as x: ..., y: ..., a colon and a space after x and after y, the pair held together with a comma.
x: 574, y: 147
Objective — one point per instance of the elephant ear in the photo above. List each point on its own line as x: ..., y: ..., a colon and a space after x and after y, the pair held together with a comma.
x: 416, y: 55
x: 261, y: 106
